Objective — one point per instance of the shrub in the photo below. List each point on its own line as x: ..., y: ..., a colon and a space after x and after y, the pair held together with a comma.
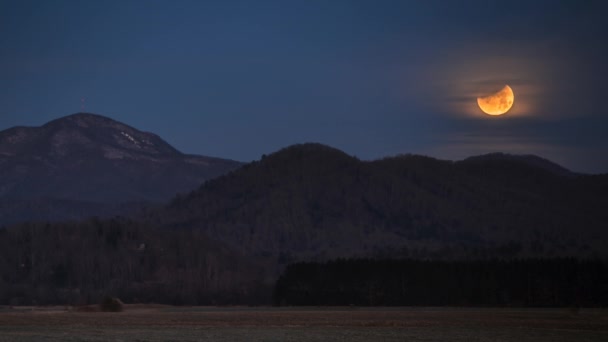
x: 111, y: 304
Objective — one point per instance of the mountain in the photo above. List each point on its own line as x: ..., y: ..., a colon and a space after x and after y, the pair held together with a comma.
x: 92, y: 158
x: 310, y: 202
x: 227, y: 241
x: 532, y: 160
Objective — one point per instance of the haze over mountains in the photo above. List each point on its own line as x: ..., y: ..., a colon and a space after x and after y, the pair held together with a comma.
x: 85, y: 164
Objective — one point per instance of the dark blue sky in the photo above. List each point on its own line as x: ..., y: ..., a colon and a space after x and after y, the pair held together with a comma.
x: 237, y: 79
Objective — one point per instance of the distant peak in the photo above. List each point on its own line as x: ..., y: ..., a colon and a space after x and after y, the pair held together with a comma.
x: 85, y: 115
x: 528, y: 159
x: 97, y: 134
x: 311, y: 149
x: 508, y: 156
x: 83, y: 120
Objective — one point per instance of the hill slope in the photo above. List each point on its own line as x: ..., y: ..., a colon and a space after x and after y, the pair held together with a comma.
x: 314, y: 202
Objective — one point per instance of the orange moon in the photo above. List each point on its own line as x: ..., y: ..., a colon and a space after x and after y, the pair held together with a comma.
x: 497, y: 103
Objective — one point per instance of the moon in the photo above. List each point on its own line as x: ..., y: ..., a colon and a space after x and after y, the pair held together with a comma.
x: 497, y: 103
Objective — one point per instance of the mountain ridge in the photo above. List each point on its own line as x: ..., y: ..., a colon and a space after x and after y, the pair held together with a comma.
x: 228, y: 240
x: 311, y: 201
x: 92, y: 158
x: 61, y: 134
x: 530, y: 159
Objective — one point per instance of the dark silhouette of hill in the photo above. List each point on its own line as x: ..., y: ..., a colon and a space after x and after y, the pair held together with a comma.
x: 227, y: 241
x: 311, y: 201
x: 91, y: 158
x: 529, y: 159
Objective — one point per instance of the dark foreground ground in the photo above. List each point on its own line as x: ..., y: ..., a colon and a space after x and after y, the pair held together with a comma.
x: 165, y: 323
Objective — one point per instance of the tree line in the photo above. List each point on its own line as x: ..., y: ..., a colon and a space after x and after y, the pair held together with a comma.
x: 559, y: 282
x: 77, y: 263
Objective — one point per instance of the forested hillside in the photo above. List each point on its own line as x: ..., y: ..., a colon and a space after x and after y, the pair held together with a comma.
x: 229, y: 240
x: 314, y: 202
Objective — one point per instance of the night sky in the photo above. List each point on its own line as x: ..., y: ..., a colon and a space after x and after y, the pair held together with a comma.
x: 238, y: 79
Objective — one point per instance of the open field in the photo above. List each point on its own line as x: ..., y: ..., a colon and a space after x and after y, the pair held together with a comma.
x: 166, y: 323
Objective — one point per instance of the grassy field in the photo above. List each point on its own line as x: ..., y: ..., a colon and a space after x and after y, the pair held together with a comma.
x: 166, y: 323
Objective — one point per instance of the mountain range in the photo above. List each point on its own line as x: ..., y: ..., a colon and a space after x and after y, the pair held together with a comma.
x: 240, y: 225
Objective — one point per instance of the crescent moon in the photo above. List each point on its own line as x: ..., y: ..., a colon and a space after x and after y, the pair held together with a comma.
x: 497, y: 103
